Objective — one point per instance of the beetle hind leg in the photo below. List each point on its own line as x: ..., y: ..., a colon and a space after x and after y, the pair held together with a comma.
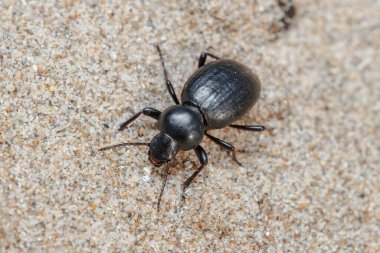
x: 203, y: 57
x: 253, y: 128
x: 169, y: 85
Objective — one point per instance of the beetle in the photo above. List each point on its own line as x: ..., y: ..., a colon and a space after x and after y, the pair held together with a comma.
x: 215, y: 95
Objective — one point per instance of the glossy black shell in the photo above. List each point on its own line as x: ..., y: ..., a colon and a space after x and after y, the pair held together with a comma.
x: 183, y: 124
x: 224, y: 90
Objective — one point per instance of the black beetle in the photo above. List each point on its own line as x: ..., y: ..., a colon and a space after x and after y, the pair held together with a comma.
x: 216, y: 95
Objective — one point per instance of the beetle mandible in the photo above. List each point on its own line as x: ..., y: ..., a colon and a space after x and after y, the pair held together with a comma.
x: 214, y: 96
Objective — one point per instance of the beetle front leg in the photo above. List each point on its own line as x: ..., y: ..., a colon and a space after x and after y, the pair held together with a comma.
x: 203, y: 57
x: 148, y: 111
x: 202, y: 156
x: 163, y: 185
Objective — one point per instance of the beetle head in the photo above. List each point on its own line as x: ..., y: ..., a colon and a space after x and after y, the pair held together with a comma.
x: 162, y: 149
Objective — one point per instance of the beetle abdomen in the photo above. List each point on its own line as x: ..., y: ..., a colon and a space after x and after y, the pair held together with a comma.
x: 224, y: 90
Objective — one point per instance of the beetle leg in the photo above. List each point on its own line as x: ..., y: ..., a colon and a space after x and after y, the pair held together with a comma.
x: 148, y: 111
x: 202, y: 156
x: 225, y: 145
x: 253, y: 128
x: 202, y: 58
x: 163, y: 185
x: 169, y: 85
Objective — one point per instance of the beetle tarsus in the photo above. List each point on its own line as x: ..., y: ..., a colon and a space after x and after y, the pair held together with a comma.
x: 234, y: 158
x: 168, y: 83
x: 147, y: 111
x: 128, y: 121
x: 183, y: 197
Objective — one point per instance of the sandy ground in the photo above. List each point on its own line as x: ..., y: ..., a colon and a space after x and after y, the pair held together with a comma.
x: 72, y: 71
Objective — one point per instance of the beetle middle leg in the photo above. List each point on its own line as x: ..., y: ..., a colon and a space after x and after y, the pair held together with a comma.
x: 148, y: 111
x: 202, y: 157
x: 225, y: 145
x: 169, y: 85
x: 203, y: 57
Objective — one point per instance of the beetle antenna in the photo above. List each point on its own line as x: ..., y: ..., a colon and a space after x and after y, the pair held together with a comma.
x: 163, y: 185
x: 124, y: 144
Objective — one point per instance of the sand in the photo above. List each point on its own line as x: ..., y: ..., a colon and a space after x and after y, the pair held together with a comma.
x: 72, y: 71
